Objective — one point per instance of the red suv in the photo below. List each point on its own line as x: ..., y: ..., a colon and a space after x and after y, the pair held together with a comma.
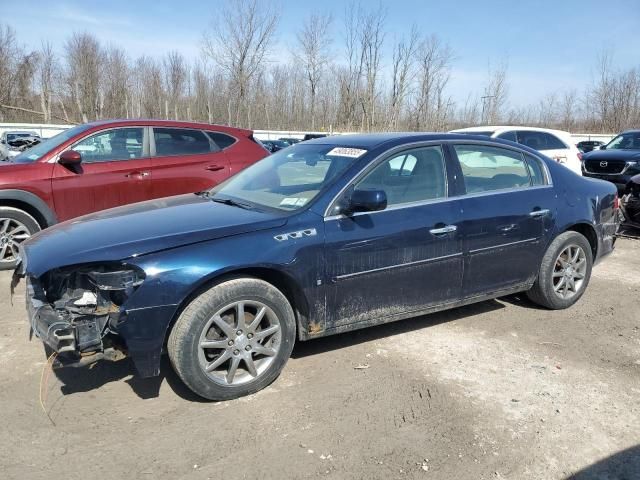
x: 101, y: 165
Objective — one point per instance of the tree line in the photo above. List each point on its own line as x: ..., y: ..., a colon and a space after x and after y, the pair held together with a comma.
x: 363, y: 80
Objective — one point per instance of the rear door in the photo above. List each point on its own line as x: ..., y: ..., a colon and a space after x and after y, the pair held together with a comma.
x: 115, y: 170
x: 185, y: 160
x: 508, y: 209
x: 403, y: 259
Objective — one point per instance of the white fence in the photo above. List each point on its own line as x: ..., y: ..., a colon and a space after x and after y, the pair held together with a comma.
x: 49, y: 130
x: 42, y: 129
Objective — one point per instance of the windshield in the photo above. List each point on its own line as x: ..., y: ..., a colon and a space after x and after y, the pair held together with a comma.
x: 625, y: 141
x: 39, y: 150
x: 288, y: 179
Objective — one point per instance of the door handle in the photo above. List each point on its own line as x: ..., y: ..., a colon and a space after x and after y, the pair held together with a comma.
x: 443, y: 230
x: 214, y: 168
x: 539, y: 213
x: 137, y: 174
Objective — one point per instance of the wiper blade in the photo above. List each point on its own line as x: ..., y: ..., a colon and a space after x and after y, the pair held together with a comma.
x: 233, y: 203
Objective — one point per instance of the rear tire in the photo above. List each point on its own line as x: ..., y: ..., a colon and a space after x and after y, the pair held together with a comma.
x: 564, y: 273
x: 233, y: 340
x: 16, y: 226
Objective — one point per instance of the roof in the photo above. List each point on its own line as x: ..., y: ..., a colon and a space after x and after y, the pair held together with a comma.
x: 372, y: 140
x: 167, y: 123
x: 494, y: 128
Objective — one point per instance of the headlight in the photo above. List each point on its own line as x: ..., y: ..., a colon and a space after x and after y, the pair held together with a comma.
x: 116, y: 280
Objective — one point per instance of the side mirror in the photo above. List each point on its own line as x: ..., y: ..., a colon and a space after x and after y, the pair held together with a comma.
x: 367, y: 201
x: 3, y: 142
x: 602, y: 147
x: 70, y: 158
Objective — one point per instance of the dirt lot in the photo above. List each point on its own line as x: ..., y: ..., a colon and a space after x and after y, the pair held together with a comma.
x: 497, y: 390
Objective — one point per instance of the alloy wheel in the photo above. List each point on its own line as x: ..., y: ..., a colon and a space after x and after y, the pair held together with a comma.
x: 569, y: 271
x: 12, y: 233
x: 239, y: 343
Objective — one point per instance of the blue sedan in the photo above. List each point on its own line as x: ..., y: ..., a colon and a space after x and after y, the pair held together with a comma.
x: 326, y: 236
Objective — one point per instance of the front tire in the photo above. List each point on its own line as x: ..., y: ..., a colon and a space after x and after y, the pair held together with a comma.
x: 233, y: 340
x: 16, y: 226
x: 564, y: 273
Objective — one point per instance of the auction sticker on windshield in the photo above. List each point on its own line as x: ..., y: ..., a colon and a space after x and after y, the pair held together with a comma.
x: 347, y: 152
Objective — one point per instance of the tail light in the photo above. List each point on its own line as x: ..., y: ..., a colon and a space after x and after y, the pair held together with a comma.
x: 580, y: 156
x: 616, y: 202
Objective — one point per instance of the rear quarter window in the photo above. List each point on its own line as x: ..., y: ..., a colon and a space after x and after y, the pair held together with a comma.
x: 536, y: 170
x: 222, y: 140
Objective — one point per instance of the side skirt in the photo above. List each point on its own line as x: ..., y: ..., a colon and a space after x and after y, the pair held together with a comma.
x: 306, y: 335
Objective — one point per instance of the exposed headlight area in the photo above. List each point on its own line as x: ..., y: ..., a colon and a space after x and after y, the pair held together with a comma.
x: 76, y: 311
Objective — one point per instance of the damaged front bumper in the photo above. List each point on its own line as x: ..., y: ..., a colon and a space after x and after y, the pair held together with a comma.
x: 76, y: 312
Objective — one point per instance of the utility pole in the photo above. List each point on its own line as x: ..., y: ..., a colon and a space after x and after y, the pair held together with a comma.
x: 484, y: 105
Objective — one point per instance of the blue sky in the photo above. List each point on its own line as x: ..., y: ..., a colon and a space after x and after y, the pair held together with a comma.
x: 549, y: 45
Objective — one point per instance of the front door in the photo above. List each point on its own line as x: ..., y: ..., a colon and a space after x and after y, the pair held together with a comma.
x: 403, y: 259
x: 507, y: 215
x: 115, y: 170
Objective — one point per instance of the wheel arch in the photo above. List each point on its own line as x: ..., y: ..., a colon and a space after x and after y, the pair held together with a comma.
x: 275, y: 277
x: 29, y: 203
x: 589, y: 232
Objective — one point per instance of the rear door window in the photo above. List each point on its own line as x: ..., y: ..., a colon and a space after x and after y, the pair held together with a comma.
x: 112, y: 145
x: 180, y: 141
x: 486, y: 168
x: 540, y: 140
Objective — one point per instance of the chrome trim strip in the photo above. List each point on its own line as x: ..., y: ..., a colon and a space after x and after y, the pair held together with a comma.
x: 500, y: 192
x: 391, y: 267
x: 528, y: 240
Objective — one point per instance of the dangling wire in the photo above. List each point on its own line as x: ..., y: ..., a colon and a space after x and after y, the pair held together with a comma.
x: 45, y: 380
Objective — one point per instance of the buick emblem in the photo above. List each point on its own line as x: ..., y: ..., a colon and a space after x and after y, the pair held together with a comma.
x: 604, y: 164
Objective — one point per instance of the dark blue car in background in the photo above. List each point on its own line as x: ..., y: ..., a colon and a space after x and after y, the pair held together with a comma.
x: 326, y: 236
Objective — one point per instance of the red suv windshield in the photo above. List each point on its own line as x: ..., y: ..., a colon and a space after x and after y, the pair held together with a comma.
x: 35, y: 153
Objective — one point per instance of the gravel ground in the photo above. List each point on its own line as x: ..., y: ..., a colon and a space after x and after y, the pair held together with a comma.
x: 496, y: 390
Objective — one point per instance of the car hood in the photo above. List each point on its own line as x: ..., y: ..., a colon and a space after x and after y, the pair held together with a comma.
x: 139, y: 229
x: 612, y: 155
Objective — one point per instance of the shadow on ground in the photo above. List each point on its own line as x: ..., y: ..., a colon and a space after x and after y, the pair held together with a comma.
x: 76, y: 380
x: 624, y: 465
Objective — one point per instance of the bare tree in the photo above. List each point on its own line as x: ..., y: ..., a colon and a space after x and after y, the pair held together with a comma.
x: 433, y: 60
x: 371, y: 37
x: 84, y: 71
x: 115, y: 96
x: 402, y: 63
x: 568, y: 114
x: 47, y: 72
x: 10, y: 53
x: 313, y: 44
x: 239, y: 42
x: 175, y: 72
x: 495, y: 94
